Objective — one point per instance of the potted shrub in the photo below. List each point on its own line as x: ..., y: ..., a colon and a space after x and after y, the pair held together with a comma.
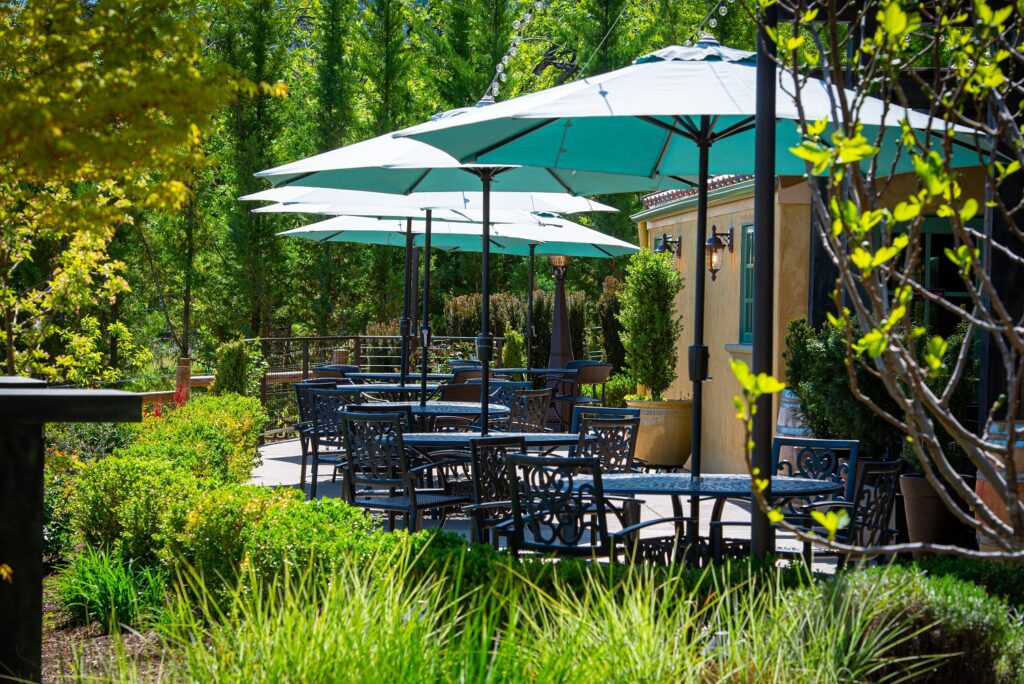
x: 650, y: 333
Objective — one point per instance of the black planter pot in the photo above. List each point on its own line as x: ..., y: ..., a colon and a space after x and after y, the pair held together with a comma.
x: 928, y: 519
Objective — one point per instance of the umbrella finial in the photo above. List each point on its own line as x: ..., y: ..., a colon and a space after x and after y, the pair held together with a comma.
x: 706, y: 40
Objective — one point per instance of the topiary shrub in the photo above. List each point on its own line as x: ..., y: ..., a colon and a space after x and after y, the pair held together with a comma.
x: 240, y: 368
x: 513, y: 352
x: 119, y: 504
x: 616, y: 390
x: 216, y: 437
x: 650, y: 327
x: 211, y: 535
x: 313, y: 535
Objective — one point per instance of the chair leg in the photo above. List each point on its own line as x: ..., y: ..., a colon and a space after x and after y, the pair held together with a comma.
x: 314, y: 472
x: 391, y: 522
x: 304, y: 445
x: 808, y: 554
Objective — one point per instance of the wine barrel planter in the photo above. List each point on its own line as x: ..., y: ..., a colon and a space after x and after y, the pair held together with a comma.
x: 928, y: 519
x: 665, y: 428
x: 998, y: 433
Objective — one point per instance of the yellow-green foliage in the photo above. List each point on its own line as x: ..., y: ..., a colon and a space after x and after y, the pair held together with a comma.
x: 215, y: 436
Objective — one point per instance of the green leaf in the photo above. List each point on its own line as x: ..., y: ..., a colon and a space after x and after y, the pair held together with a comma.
x: 832, y: 521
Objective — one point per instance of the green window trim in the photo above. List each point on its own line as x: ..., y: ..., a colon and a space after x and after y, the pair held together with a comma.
x: 747, y: 283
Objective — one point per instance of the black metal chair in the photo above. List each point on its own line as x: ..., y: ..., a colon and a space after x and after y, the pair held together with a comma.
x: 405, y: 412
x: 553, y: 513
x: 581, y: 412
x: 465, y: 392
x: 304, y: 425
x: 503, y: 392
x: 613, y: 442
x: 831, y: 460
x: 336, y: 370
x: 869, y: 506
x: 326, y: 439
x: 380, y: 477
x: 491, y: 498
x: 529, y: 410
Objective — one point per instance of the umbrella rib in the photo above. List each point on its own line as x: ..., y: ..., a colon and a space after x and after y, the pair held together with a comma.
x: 688, y: 125
x: 558, y: 180
x: 511, y: 139
x: 684, y: 181
x: 417, y: 182
x: 735, y: 129
x: 667, y: 127
x: 661, y: 154
x: 295, y: 179
x: 599, y: 247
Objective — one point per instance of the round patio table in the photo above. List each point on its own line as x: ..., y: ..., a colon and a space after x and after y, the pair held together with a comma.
x: 410, y: 378
x: 434, y: 409
x: 431, y: 441
x: 566, y: 372
x: 709, y: 486
x: 385, y: 388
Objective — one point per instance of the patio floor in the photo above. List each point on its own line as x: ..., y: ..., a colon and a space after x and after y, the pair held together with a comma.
x: 282, y: 466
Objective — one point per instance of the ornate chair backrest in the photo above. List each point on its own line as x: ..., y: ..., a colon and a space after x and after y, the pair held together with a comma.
x: 610, y: 440
x: 464, y: 391
x: 529, y: 410
x: 581, y: 412
x: 327, y: 407
x: 831, y: 460
x: 490, y: 470
x: 504, y: 391
x: 303, y: 400
x: 405, y: 411
x: 552, y: 512
x: 374, y: 451
x: 874, y: 493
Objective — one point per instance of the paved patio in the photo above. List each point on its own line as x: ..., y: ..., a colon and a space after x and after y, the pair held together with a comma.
x: 282, y: 466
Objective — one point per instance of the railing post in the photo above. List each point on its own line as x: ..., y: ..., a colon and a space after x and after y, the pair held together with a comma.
x: 357, y: 345
x: 183, y: 378
x: 305, y: 358
x: 340, y: 357
x: 26, y: 405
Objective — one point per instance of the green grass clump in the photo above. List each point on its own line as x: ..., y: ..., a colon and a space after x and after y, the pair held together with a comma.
x: 102, y: 587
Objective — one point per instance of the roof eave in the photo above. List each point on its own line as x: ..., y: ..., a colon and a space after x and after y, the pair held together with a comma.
x: 677, y: 205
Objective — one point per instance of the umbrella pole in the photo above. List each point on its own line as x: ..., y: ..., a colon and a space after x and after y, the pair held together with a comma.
x: 404, y: 324
x: 485, y: 342
x: 529, y: 310
x: 698, y: 360
x: 425, y: 323
x: 764, y: 261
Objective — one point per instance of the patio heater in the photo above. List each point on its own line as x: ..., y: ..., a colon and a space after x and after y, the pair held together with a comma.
x: 561, y: 336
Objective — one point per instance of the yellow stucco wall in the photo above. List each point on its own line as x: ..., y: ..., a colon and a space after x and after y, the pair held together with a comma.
x: 722, y: 433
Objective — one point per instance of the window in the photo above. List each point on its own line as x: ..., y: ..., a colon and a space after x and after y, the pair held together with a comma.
x: 747, y: 284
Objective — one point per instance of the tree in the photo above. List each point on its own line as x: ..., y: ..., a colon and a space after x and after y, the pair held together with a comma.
x: 960, y: 62
x: 100, y: 119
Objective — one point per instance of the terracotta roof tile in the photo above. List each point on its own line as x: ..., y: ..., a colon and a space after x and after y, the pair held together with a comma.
x: 666, y: 196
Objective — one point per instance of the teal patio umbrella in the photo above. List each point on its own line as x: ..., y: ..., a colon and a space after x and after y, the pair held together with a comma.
x: 661, y: 117
x: 404, y: 166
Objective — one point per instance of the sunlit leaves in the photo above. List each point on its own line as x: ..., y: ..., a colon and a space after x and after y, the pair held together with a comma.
x: 831, y: 521
x: 963, y: 257
x: 934, y: 352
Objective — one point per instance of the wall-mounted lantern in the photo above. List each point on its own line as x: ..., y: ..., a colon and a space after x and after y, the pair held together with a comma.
x: 715, y: 246
x: 667, y: 243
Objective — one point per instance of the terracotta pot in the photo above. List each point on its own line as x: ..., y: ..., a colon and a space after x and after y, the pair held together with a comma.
x: 665, y: 428
x: 928, y: 519
x: 997, y: 433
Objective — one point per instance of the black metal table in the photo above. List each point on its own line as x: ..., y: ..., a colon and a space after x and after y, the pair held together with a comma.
x: 564, y: 372
x: 410, y: 378
x: 434, y: 409
x: 385, y: 388
x: 432, y: 441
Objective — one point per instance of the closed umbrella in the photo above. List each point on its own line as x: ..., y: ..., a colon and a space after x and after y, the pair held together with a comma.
x: 401, y: 165
x: 661, y: 117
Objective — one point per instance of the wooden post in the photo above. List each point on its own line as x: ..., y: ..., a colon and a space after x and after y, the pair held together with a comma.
x: 305, y: 359
x: 183, y: 378
x: 25, y: 406
x: 339, y: 357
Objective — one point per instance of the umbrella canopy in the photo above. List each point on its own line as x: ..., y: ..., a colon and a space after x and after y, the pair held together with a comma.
x: 664, y: 116
x: 636, y: 121
x: 446, y: 235
x: 404, y: 166
x: 553, y: 202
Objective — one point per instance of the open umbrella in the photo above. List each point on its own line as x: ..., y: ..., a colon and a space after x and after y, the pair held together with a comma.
x: 401, y: 165
x: 661, y: 117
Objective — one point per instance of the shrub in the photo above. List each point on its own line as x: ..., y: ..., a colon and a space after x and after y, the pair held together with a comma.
x: 650, y: 327
x: 608, y: 308
x: 240, y: 368
x: 513, y: 352
x: 214, y: 436
x: 618, y: 388
x: 313, y: 535
x: 103, y: 587
x: 88, y: 441
x: 211, y: 535
x: 944, y: 615
x: 119, y: 504
x: 999, y: 578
